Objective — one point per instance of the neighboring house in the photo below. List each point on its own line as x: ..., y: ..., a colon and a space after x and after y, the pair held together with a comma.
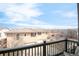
x: 19, y: 37
x: 3, y: 38
x: 2, y: 34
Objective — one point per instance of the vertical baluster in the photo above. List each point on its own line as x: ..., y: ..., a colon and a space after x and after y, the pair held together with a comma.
x: 17, y: 53
x: 32, y: 51
x: 57, y: 48
x: 35, y: 51
x: 41, y: 50
x: 63, y: 46
x: 25, y: 52
x: 44, y: 49
x: 21, y: 52
x: 8, y: 53
x: 4, y: 54
x: 74, y: 47
x: 53, y: 49
x: 38, y: 51
x: 71, y: 47
x: 50, y: 49
x: 13, y: 53
x: 67, y: 46
x: 47, y: 50
x: 29, y: 52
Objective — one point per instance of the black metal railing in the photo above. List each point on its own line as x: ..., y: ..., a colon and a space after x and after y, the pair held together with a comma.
x: 42, y: 49
x: 71, y: 46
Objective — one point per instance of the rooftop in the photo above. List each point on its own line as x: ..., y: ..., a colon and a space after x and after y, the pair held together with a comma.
x: 23, y: 30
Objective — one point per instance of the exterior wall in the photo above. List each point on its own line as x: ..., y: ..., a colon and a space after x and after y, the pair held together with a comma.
x: 11, y: 39
x: 30, y: 39
x: 2, y: 35
x: 24, y: 38
x: 3, y: 40
x: 3, y: 43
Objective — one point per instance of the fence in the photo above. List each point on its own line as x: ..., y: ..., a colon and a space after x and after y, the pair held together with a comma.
x: 42, y: 49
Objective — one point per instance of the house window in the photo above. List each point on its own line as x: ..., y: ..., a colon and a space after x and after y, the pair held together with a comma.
x: 52, y: 35
x: 46, y: 32
x: 33, y: 34
x: 17, y: 36
x: 39, y: 33
x: 24, y: 34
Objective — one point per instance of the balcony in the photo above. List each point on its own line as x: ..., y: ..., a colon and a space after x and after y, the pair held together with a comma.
x: 55, y: 48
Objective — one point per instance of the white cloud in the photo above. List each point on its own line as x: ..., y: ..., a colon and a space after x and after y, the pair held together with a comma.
x: 47, y: 26
x: 22, y: 12
x: 38, y: 22
x: 70, y: 14
x: 66, y: 13
x: 15, y: 16
x: 24, y: 15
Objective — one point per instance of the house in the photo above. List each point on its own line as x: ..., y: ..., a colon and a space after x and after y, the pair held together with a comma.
x: 22, y: 36
x: 3, y: 38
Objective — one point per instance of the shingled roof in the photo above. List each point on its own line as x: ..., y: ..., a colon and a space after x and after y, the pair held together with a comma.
x: 24, y: 30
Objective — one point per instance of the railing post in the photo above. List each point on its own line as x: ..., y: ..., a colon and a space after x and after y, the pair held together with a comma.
x: 44, y: 49
x: 66, y: 45
x: 78, y: 21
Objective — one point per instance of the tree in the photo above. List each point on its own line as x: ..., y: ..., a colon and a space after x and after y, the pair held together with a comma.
x: 71, y: 33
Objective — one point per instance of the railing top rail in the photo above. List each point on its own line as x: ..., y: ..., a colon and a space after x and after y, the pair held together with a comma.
x: 76, y: 41
x: 28, y: 46
x: 21, y: 48
x: 53, y: 42
x: 33, y: 46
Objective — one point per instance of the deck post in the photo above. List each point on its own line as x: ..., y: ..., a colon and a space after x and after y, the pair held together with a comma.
x: 78, y: 21
x: 66, y: 45
x: 44, y: 49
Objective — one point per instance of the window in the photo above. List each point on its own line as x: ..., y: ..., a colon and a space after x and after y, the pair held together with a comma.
x: 24, y: 34
x: 17, y: 36
x: 33, y: 34
x: 52, y: 35
x: 39, y: 33
x: 46, y: 32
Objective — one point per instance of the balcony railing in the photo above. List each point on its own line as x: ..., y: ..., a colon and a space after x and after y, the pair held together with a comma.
x: 43, y: 49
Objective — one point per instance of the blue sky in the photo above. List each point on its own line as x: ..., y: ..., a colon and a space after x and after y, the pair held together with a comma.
x: 44, y: 15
